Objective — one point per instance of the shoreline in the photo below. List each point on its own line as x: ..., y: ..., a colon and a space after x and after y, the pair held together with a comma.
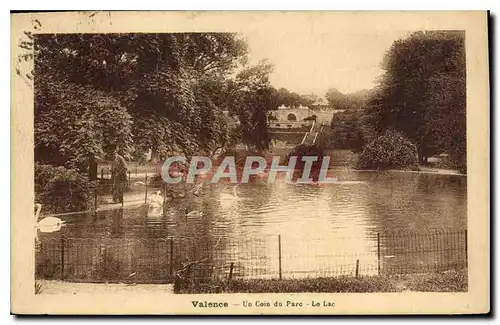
x: 446, y: 281
x: 424, y: 170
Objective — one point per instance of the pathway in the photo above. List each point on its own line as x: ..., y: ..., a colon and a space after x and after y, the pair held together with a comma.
x: 61, y: 287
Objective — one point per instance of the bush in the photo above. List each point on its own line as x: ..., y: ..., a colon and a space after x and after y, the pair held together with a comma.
x: 307, y: 150
x: 390, y: 151
x: 59, y: 189
x: 240, y: 156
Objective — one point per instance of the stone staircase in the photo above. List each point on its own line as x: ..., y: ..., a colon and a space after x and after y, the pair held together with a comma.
x: 311, y: 136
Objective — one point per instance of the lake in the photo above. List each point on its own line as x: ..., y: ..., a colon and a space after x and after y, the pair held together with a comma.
x: 369, y: 223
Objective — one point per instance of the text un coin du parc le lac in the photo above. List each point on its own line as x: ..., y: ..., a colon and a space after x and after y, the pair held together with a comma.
x: 257, y: 303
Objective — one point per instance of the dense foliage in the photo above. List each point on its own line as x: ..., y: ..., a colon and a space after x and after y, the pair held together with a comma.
x: 284, y: 97
x: 346, y: 131
x: 423, y: 95
x: 252, y: 98
x: 389, y: 151
x: 340, y: 101
x: 158, y: 93
x: 303, y: 150
x: 60, y: 189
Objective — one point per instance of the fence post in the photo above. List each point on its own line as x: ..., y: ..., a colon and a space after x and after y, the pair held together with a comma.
x: 171, y: 266
x: 102, y: 173
x: 62, y: 258
x: 279, y: 255
x: 146, y: 190
x: 103, y: 256
x: 231, y: 272
x: 95, y: 199
x: 378, y: 253
x: 164, y: 186
x: 466, y: 252
x: 357, y: 268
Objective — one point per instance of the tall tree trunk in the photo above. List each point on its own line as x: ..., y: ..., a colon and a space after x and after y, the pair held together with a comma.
x: 154, y: 154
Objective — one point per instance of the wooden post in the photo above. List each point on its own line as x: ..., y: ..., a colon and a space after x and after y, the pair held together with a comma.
x: 102, y: 173
x: 62, y: 258
x: 357, y: 268
x: 378, y: 253
x: 279, y: 255
x: 146, y: 190
x: 231, y: 272
x: 171, y: 266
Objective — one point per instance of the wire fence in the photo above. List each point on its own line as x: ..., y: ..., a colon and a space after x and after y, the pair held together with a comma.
x: 162, y: 260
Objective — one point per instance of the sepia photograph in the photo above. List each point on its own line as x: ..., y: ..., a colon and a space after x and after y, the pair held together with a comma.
x: 299, y: 159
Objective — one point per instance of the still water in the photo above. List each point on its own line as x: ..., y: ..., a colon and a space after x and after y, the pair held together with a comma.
x: 380, y: 221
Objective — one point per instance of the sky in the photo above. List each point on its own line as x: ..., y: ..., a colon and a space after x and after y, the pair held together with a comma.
x: 312, y: 61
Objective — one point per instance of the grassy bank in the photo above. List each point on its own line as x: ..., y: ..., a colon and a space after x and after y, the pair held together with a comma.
x: 451, y: 281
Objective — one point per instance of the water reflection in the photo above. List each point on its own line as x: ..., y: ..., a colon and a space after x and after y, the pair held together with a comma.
x: 322, y: 229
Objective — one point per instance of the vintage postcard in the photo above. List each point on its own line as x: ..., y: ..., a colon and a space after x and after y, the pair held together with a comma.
x: 186, y: 163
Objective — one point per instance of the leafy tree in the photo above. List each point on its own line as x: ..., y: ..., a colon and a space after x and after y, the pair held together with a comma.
x: 60, y: 189
x: 252, y: 99
x: 74, y: 123
x: 337, y: 100
x: 284, y: 97
x: 172, y: 86
x: 346, y: 131
x: 340, y: 101
x: 308, y: 100
x: 423, y: 95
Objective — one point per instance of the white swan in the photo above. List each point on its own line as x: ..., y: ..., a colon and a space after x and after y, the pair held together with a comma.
x: 230, y: 197
x: 229, y: 201
x: 176, y: 174
x: 194, y: 213
x: 48, y: 224
x: 155, y: 200
x: 198, y: 189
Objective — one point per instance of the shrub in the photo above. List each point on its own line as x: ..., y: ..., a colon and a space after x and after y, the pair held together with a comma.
x: 307, y: 150
x: 310, y: 118
x: 59, y: 189
x: 389, y: 151
x: 240, y: 156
